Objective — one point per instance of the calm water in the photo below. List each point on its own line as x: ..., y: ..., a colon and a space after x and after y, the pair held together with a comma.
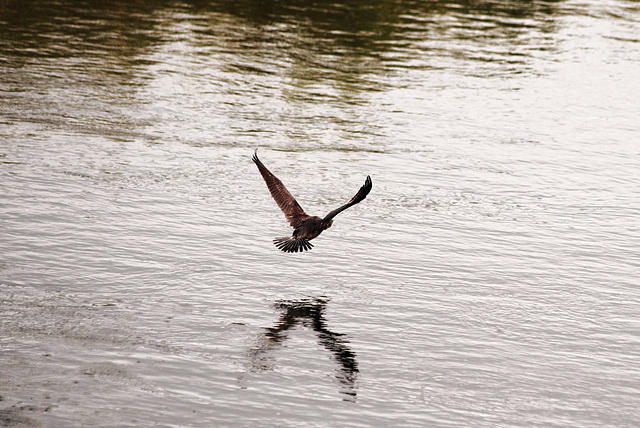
x: 489, y: 280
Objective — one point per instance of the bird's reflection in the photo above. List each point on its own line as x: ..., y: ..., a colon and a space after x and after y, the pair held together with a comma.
x: 308, y: 313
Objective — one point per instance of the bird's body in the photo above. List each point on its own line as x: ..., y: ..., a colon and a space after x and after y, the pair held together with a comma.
x: 306, y: 227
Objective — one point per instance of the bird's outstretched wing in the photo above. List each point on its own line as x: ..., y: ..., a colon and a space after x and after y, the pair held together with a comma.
x: 293, y: 212
x: 359, y: 197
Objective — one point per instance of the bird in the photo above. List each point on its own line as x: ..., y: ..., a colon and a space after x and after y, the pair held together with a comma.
x: 305, y: 227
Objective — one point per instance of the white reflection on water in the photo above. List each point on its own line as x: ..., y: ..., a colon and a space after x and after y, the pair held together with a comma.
x: 488, y: 280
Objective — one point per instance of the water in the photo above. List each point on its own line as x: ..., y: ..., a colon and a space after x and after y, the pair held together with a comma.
x: 488, y: 280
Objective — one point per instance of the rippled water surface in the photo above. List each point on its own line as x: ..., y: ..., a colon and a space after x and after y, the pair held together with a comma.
x: 489, y: 279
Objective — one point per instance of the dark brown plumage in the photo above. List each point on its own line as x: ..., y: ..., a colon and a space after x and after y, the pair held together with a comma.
x: 305, y: 227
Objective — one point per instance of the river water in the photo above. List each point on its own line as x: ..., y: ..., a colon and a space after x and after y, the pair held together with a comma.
x: 490, y: 279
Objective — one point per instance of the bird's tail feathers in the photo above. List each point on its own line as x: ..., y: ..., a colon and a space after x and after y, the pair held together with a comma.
x: 292, y: 245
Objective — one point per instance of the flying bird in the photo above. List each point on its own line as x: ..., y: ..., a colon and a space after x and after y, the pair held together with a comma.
x: 305, y: 227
